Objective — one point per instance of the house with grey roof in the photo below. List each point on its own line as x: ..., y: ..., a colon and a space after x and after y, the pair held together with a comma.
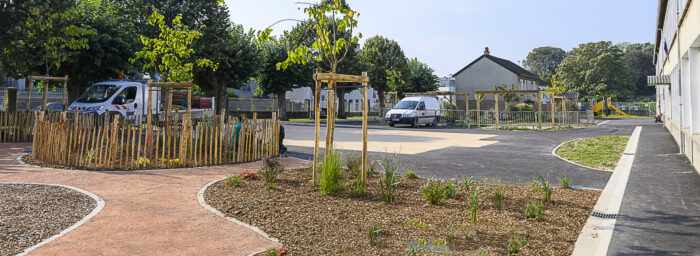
x: 488, y: 70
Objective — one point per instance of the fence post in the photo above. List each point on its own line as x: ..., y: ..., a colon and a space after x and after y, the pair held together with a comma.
x: 113, y: 141
x: 29, y: 93
x: 37, y: 122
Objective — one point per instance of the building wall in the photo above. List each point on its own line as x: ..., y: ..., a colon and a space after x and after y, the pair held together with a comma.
x: 679, y: 102
x: 482, y: 76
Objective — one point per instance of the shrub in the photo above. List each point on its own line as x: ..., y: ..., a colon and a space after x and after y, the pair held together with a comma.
x: 564, y: 182
x: 270, y: 252
x: 533, y: 210
x: 388, y: 183
x: 374, y: 232
x: 474, y: 205
x: 416, y: 223
x: 448, y: 188
x: 354, y: 167
x: 498, y: 198
x: 515, y: 244
x: 410, y: 175
x: 432, y: 192
x: 330, y: 172
x: 524, y: 107
x: 234, y: 180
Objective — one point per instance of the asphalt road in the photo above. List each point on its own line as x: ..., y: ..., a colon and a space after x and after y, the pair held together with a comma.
x: 511, y: 156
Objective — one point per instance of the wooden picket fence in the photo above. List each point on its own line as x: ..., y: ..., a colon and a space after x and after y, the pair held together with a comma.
x: 16, y: 126
x: 83, y: 142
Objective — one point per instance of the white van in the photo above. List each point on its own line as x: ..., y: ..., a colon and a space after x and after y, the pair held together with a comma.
x: 126, y: 98
x: 414, y: 111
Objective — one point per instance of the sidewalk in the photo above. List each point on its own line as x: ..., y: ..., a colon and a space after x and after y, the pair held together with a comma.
x: 660, y: 211
x: 146, y: 212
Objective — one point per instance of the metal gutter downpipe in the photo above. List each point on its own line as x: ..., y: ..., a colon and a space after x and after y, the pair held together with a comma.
x: 681, y: 145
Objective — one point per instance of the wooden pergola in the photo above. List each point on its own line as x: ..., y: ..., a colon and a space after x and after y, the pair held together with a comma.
x: 540, y: 94
x: 330, y: 80
x: 63, y: 79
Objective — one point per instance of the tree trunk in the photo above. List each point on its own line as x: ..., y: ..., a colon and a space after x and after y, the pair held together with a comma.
x: 221, y: 97
x: 381, y: 103
x: 282, y: 106
x: 341, y: 103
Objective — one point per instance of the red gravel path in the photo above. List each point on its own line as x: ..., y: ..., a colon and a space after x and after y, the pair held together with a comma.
x: 146, y: 212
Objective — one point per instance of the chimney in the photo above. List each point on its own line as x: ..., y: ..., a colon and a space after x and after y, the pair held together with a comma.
x: 486, y: 51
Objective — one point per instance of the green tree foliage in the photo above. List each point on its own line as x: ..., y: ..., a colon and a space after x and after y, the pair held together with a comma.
x: 109, y: 48
x: 508, y: 98
x: 640, y: 58
x: 420, y: 77
x: 383, y: 58
x: 278, y: 82
x: 41, y: 36
x: 544, y: 61
x: 170, y: 54
x: 596, y: 71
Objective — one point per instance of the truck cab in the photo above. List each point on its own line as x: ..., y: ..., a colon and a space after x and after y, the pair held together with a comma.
x: 125, y: 98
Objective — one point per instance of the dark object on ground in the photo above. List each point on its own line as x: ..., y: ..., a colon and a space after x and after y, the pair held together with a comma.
x: 658, y: 119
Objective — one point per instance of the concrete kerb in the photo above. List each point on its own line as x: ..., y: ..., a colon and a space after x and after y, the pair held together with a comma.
x: 596, y: 234
x: 554, y: 152
x: 97, y: 209
x: 203, y: 203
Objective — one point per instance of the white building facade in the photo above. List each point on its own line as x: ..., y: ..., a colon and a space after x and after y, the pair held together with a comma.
x: 677, y: 80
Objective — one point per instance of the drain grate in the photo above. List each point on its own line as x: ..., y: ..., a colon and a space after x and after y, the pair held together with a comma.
x: 603, y: 215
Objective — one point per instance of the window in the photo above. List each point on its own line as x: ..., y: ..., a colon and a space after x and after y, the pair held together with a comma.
x: 98, y: 93
x: 128, y: 95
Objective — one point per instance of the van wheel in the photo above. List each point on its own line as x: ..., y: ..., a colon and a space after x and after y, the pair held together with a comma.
x: 392, y: 125
x: 415, y: 123
x: 435, y: 122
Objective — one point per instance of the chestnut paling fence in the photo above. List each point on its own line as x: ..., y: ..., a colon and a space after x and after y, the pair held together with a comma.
x: 16, y: 126
x: 77, y: 141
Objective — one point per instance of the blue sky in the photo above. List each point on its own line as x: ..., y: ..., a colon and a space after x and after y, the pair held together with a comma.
x: 448, y: 34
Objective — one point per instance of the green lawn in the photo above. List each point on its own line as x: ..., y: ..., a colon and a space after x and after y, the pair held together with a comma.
x: 599, y: 152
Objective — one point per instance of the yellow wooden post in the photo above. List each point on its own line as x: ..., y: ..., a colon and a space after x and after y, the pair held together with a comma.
x: 498, y: 121
x: 317, y: 103
x: 329, y: 110
x: 364, y: 128
x: 29, y: 93
x: 45, y: 99
x: 539, y: 110
x: 65, y: 90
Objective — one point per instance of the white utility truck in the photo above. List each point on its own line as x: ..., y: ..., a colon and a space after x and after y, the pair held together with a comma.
x: 414, y: 111
x: 128, y: 98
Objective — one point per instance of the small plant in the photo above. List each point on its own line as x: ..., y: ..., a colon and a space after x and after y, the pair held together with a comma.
x: 330, y: 172
x: 416, y: 223
x: 498, y: 198
x: 410, y: 175
x: 234, y: 180
x: 515, y: 244
x: 246, y: 175
x: 174, y: 162
x: 270, y: 176
x: 354, y: 166
x: 374, y: 232
x: 467, y: 182
x: 388, y: 183
x: 432, y: 191
x: 413, y: 250
x: 544, y: 186
x: 482, y: 252
x: 90, y: 156
x: 275, y: 252
x: 533, y: 210
x: 144, y: 162
x: 474, y: 205
x: 448, y: 188
x: 563, y: 182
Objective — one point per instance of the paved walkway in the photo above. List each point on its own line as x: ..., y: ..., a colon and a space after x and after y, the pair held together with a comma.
x: 660, y: 211
x: 146, y: 212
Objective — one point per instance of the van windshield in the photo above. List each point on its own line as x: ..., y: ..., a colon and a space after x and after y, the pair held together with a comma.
x: 406, y: 104
x: 98, y: 93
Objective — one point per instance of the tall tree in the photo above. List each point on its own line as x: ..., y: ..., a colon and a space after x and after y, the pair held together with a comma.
x: 383, y: 57
x: 544, y: 61
x: 420, y: 77
x: 640, y: 58
x: 596, y: 71
x: 170, y: 54
x: 109, y: 48
x: 278, y: 82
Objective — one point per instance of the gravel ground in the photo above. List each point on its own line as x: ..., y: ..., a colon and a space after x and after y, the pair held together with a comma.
x: 31, y: 213
x: 310, y: 224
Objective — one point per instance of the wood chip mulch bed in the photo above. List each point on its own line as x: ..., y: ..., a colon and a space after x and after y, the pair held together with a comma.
x: 308, y: 223
x: 31, y: 213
